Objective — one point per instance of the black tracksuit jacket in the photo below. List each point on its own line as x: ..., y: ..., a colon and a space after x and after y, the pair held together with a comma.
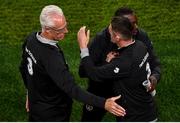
x: 126, y: 73
x: 49, y: 82
x: 100, y: 46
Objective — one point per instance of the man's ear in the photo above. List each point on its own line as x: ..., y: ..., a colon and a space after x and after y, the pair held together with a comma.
x: 47, y: 30
x: 117, y: 37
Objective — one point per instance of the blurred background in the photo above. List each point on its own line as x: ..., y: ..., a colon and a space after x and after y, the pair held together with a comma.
x: 159, y: 18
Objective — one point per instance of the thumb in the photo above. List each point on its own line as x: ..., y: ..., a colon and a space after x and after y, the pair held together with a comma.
x: 116, y: 98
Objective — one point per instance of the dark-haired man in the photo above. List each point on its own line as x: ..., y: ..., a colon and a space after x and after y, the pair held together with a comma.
x: 126, y: 72
x: 99, y: 49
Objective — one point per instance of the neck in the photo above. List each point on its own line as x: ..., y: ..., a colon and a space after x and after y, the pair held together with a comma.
x: 45, y: 40
x: 46, y: 36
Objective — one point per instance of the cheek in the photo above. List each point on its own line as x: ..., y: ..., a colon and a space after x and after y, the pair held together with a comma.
x: 112, y: 39
x: 60, y: 36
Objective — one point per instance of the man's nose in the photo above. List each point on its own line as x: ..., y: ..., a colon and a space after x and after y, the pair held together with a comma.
x: 66, y: 30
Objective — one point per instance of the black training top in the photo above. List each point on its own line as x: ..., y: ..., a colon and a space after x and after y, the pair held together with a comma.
x: 49, y: 82
x: 127, y: 72
x: 101, y: 45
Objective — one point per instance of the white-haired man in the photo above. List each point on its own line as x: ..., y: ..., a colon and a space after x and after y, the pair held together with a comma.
x: 47, y: 78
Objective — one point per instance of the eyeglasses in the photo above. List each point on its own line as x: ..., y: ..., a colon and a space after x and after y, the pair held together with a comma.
x: 58, y: 31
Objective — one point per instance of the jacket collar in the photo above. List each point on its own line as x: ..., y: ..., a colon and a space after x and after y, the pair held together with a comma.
x: 46, y: 41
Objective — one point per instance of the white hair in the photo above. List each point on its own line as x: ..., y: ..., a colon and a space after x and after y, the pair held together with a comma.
x: 46, y: 15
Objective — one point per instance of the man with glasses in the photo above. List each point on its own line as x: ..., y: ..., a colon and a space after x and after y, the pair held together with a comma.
x: 46, y: 75
x: 100, y: 49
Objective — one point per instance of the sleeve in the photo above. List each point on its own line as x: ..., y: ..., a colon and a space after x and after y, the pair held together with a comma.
x: 155, y: 65
x: 95, y: 49
x: 60, y: 74
x: 118, y: 68
x: 154, y: 60
x: 145, y: 38
x: 22, y: 66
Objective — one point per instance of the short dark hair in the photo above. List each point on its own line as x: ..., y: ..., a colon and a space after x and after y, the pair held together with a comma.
x: 123, y: 26
x: 123, y: 11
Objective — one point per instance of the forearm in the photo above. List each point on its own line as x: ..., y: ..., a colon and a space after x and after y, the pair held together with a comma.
x: 156, y: 73
x: 88, y: 66
x: 82, y: 72
x: 23, y: 74
x: 88, y: 98
x: 155, y: 65
x: 66, y: 83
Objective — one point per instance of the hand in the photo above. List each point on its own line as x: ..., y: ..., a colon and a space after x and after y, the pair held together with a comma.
x: 27, y: 104
x: 111, y: 55
x: 153, y: 81
x: 83, y: 37
x: 113, y: 107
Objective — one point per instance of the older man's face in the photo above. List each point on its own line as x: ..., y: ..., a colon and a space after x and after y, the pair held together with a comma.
x: 60, y: 28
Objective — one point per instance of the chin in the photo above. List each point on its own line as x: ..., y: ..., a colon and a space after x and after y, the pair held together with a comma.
x: 60, y: 38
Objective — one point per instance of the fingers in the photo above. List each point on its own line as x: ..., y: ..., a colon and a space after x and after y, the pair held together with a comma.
x: 153, y: 81
x: 27, y: 108
x: 116, y: 98
x: 27, y: 104
x: 82, y: 29
x: 151, y: 88
x: 118, y: 113
x: 118, y: 110
x: 83, y: 37
x: 108, y: 59
x: 113, y: 107
x: 111, y: 55
x: 88, y: 35
x: 114, y: 112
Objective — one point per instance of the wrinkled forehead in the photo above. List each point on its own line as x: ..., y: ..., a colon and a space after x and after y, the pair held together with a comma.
x: 60, y: 21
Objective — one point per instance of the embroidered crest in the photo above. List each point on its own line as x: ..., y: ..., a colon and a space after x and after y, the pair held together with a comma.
x: 89, y: 107
x: 116, y: 70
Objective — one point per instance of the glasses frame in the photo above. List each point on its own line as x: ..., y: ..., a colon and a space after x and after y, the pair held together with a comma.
x: 57, y: 31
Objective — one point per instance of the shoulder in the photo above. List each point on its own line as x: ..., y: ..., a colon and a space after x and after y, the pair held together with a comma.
x: 102, y: 36
x: 140, y: 44
x: 102, y: 33
x: 41, y: 49
x: 142, y: 32
x: 31, y: 36
x: 143, y: 36
x: 30, y: 40
x: 101, y: 40
x: 139, y: 50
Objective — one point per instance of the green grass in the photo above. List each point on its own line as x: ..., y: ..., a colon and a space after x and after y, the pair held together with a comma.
x: 161, y: 19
